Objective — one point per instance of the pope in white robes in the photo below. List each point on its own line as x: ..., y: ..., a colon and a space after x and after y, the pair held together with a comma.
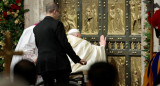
x: 85, y: 50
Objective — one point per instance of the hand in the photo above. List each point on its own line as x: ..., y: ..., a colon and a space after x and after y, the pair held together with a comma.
x: 83, y: 62
x: 35, y: 60
x: 102, y: 40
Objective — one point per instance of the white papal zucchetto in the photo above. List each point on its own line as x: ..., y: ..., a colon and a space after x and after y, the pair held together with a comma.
x: 72, y: 31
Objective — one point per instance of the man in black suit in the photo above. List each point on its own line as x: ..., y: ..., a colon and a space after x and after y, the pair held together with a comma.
x: 52, y: 62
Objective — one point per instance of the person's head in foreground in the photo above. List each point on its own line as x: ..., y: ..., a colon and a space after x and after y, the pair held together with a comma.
x: 102, y: 74
x: 25, y: 70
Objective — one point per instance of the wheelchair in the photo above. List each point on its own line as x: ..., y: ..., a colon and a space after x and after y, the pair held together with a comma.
x: 75, y: 79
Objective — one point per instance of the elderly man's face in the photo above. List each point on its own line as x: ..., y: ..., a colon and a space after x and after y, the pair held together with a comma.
x: 77, y: 34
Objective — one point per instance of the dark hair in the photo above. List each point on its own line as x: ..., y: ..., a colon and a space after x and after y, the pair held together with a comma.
x: 26, y: 70
x: 50, y: 7
x: 102, y: 74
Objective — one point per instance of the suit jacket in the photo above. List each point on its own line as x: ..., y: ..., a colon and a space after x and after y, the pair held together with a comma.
x: 53, y: 46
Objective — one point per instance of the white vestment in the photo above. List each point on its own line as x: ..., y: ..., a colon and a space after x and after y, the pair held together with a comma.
x: 85, y: 50
x: 27, y: 45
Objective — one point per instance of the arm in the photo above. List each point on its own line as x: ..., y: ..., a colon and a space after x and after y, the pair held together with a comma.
x: 61, y: 36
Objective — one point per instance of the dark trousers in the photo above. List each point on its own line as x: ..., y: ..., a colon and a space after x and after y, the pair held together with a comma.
x: 59, y: 78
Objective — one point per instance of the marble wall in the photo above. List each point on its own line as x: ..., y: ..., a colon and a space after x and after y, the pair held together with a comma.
x: 36, y: 9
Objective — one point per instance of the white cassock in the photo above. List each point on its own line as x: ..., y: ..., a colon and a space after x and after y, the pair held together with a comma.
x: 85, y: 50
x: 27, y: 45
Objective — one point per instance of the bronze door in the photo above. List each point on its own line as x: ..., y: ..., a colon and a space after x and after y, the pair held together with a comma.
x: 119, y: 21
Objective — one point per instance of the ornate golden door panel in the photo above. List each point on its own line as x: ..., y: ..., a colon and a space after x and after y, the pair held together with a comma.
x: 119, y: 21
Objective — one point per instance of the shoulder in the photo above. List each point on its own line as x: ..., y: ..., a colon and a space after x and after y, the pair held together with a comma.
x: 77, y: 39
x: 50, y: 19
x: 29, y: 28
x: 54, y: 22
x: 60, y: 25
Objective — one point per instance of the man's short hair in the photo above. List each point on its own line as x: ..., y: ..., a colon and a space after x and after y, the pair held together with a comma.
x: 26, y: 70
x: 50, y: 7
x: 102, y: 74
